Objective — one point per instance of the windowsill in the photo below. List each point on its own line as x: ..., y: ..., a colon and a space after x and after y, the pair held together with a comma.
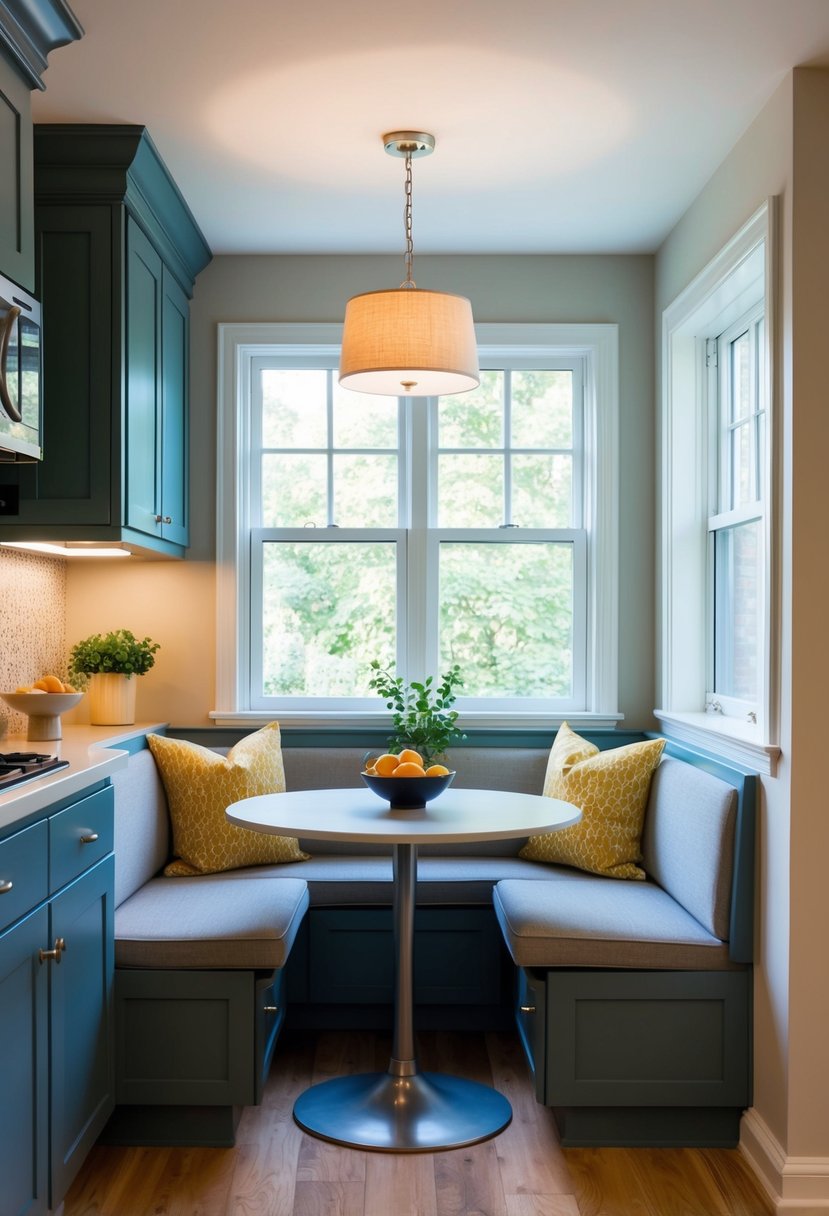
x: 737, y: 741
x: 380, y: 721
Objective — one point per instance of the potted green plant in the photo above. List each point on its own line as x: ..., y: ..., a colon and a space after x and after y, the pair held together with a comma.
x: 422, y: 713
x: 106, y: 664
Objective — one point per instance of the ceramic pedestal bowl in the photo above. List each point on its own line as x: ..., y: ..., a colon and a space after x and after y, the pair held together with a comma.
x: 408, y: 793
x: 44, y: 710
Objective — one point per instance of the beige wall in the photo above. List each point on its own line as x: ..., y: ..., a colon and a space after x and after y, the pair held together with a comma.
x: 174, y: 602
x: 784, y: 154
x: 809, y: 985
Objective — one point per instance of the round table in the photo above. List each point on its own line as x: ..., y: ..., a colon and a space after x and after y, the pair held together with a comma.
x: 403, y: 1110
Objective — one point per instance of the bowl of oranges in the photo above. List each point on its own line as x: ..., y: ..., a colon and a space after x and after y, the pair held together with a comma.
x: 44, y: 701
x: 404, y: 782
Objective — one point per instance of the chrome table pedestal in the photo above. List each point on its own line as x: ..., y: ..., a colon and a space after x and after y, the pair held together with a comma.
x: 402, y: 1110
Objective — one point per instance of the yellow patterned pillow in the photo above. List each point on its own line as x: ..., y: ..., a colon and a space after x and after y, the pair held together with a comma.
x: 200, y: 785
x: 611, y: 788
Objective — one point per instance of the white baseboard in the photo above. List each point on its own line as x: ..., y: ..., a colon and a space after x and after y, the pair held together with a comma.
x: 796, y: 1185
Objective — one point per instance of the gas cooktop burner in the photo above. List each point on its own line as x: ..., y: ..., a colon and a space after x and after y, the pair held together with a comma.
x: 25, y: 766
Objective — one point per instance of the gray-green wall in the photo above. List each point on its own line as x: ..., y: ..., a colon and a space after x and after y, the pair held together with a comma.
x: 504, y: 288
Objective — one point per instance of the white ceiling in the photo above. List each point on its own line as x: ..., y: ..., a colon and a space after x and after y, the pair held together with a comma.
x: 561, y: 125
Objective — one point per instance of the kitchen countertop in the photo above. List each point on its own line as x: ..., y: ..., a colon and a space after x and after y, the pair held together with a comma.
x: 93, y: 753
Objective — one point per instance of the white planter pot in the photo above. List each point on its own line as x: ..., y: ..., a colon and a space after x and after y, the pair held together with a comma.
x: 112, y: 699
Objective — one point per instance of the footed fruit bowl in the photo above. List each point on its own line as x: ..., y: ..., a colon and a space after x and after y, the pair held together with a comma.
x: 44, y: 710
x: 407, y: 793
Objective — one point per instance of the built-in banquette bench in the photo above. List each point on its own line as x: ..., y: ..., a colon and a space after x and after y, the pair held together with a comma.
x: 633, y: 999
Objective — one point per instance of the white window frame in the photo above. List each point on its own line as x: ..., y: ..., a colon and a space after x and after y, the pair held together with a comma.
x: 596, y: 345
x: 737, y: 280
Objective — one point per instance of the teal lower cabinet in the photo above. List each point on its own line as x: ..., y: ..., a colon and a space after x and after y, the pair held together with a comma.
x: 56, y: 969
x: 81, y: 1008
x: 24, y: 1124
x: 639, y: 1057
x: 192, y: 1049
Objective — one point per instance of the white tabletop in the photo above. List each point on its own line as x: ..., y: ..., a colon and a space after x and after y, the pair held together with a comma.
x: 358, y: 814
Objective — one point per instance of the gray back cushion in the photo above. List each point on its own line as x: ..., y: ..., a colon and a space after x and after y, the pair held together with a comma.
x: 688, y: 841
x: 142, y: 824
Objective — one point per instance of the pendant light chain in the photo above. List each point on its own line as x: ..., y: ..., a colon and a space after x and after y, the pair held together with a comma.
x: 407, y: 224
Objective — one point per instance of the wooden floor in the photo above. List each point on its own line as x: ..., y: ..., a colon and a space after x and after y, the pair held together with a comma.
x: 277, y: 1170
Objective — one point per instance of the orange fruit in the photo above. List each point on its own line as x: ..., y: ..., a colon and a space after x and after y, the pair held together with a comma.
x: 410, y: 756
x: 49, y: 684
x: 437, y: 770
x: 409, y: 769
x: 68, y: 688
x: 371, y: 771
x: 385, y: 765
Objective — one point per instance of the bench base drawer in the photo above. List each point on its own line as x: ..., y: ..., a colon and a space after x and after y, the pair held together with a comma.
x: 639, y: 1057
x: 192, y: 1041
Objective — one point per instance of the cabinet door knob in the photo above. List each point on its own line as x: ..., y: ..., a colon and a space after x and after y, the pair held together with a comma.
x: 163, y: 519
x: 89, y: 838
x: 6, y: 886
x: 526, y: 1008
x: 270, y: 1009
x: 47, y: 955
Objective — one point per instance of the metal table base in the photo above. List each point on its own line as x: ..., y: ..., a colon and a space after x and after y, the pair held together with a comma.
x: 417, y: 1114
x: 402, y: 1110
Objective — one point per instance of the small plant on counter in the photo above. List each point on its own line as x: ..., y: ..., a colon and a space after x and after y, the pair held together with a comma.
x: 115, y: 653
x: 422, y: 712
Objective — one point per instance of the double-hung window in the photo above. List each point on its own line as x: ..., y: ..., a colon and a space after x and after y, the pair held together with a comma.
x: 424, y: 533
x: 716, y: 591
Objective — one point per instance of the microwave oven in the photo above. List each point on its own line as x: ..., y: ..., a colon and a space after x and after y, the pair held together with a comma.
x: 20, y: 375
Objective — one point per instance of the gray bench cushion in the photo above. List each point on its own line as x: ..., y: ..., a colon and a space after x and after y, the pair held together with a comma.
x: 688, y: 841
x: 586, y: 921
x: 354, y: 880
x: 211, y: 921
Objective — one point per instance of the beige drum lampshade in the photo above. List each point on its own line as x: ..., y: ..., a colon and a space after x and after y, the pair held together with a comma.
x: 409, y: 341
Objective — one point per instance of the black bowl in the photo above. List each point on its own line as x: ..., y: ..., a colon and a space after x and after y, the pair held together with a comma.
x: 407, y: 793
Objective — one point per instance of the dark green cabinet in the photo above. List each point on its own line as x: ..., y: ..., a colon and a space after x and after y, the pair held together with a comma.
x: 28, y: 34
x: 117, y: 254
x: 17, y: 245
x: 56, y: 1000
x: 157, y: 395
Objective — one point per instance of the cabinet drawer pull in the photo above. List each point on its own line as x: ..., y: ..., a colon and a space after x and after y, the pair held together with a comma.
x: 163, y: 519
x: 271, y: 1009
x: 46, y: 955
x: 89, y: 838
x: 6, y: 886
x: 526, y: 1008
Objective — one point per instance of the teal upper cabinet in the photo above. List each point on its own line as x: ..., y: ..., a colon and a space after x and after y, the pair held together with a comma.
x: 29, y: 30
x: 118, y: 252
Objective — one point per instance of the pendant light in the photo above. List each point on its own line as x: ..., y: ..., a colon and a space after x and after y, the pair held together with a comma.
x: 407, y: 340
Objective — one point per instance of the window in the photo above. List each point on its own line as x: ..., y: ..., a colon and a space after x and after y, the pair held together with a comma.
x: 469, y: 529
x: 716, y: 599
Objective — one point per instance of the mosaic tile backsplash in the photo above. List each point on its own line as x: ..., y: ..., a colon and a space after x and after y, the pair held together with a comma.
x: 32, y: 625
